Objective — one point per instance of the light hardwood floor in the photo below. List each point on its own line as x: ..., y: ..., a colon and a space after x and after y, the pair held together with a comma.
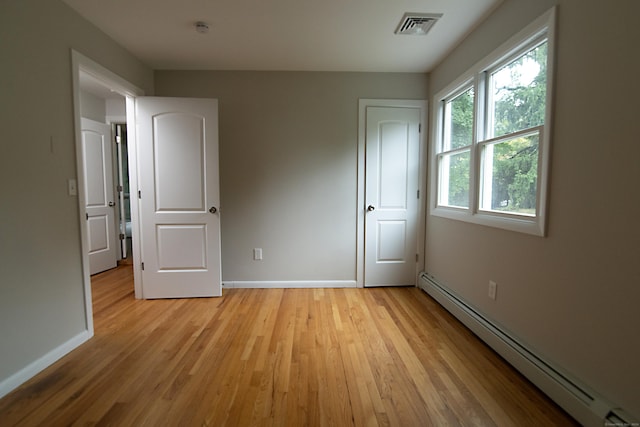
x: 294, y: 357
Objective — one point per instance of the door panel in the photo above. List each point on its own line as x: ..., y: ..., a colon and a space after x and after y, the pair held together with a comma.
x: 392, y: 241
x: 182, y: 247
x: 391, y: 194
x: 98, y: 233
x: 179, y: 147
x: 179, y: 186
x: 98, y: 195
x: 95, y: 156
x: 393, y: 171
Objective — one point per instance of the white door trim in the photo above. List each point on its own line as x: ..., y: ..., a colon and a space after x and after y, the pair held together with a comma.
x: 81, y: 63
x: 361, y: 208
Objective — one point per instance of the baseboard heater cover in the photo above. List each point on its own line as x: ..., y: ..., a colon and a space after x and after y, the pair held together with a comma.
x: 581, y: 403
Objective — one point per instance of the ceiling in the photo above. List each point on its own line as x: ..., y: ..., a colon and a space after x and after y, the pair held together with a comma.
x: 285, y: 35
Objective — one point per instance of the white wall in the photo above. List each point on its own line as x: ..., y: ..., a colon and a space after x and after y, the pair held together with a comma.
x: 41, y: 284
x: 116, y: 110
x: 572, y: 296
x: 92, y: 107
x: 288, y: 162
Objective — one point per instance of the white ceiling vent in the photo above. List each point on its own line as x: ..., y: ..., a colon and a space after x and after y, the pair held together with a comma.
x: 417, y: 24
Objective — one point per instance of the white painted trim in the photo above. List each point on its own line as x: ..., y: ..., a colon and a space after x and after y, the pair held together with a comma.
x: 280, y: 284
x: 360, y: 207
x: 133, y: 165
x: 32, y: 369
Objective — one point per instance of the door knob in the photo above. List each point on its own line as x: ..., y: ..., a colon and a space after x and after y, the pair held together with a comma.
x: 213, y: 209
x: 112, y: 204
x: 370, y: 208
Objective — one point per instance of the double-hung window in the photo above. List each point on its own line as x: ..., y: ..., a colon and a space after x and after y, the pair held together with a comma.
x: 492, y: 136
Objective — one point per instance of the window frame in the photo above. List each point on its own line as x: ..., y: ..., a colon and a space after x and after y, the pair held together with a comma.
x: 450, y: 152
x: 478, y: 77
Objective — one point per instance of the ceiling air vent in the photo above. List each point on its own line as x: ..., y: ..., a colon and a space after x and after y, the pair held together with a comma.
x: 417, y: 24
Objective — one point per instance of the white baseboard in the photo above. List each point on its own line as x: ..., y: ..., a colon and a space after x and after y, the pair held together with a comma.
x: 585, y: 405
x: 280, y: 284
x: 14, y: 381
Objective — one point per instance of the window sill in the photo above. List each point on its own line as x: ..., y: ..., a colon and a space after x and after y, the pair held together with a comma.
x: 521, y: 224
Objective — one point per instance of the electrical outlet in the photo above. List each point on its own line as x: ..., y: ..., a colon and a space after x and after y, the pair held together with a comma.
x: 493, y: 289
x: 257, y: 254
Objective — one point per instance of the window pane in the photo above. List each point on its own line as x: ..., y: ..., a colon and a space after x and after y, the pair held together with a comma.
x: 454, y: 180
x: 510, y: 175
x: 458, y: 121
x: 518, y: 93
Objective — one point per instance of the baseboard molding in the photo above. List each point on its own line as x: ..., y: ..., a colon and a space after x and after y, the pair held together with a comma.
x: 16, y: 380
x: 585, y: 405
x: 280, y: 284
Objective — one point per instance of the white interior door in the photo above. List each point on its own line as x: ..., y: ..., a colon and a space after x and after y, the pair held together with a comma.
x: 391, y: 195
x: 98, y: 178
x: 179, y: 197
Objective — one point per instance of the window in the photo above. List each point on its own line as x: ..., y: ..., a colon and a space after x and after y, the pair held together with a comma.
x: 491, y: 138
x: 457, y: 140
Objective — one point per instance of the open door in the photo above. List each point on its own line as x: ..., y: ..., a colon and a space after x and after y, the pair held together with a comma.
x: 178, y: 185
x: 100, y: 206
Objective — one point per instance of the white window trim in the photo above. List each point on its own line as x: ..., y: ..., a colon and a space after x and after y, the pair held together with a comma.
x: 534, y: 225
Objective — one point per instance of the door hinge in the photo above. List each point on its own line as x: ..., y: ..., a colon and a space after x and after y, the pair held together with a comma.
x: 119, y: 189
x: 87, y: 216
x: 121, y: 236
x: 418, y: 194
x: 139, y: 194
x: 417, y: 257
x: 142, y: 265
x: 118, y: 139
x: 419, y: 127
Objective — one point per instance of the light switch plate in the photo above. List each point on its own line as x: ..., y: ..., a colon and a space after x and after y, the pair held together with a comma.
x: 72, y: 187
x: 493, y: 289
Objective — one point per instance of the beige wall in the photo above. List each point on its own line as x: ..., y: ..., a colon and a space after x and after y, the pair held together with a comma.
x: 288, y: 144
x: 288, y: 165
x: 573, y: 296
x: 41, y: 284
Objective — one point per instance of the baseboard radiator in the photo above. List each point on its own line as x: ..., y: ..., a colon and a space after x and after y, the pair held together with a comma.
x: 584, y: 405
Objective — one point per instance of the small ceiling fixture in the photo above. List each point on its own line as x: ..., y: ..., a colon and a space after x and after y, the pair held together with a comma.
x: 202, y: 27
x: 417, y: 24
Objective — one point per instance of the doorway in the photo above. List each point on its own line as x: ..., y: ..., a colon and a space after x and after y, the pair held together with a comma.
x: 105, y: 173
x: 123, y: 191
x: 103, y: 96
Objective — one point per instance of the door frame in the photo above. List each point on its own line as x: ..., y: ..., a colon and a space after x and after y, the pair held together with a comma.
x: 81, y: 63
x: 422, y: 178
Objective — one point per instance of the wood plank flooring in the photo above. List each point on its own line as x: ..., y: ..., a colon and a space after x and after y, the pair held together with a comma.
x: 278, y: 357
